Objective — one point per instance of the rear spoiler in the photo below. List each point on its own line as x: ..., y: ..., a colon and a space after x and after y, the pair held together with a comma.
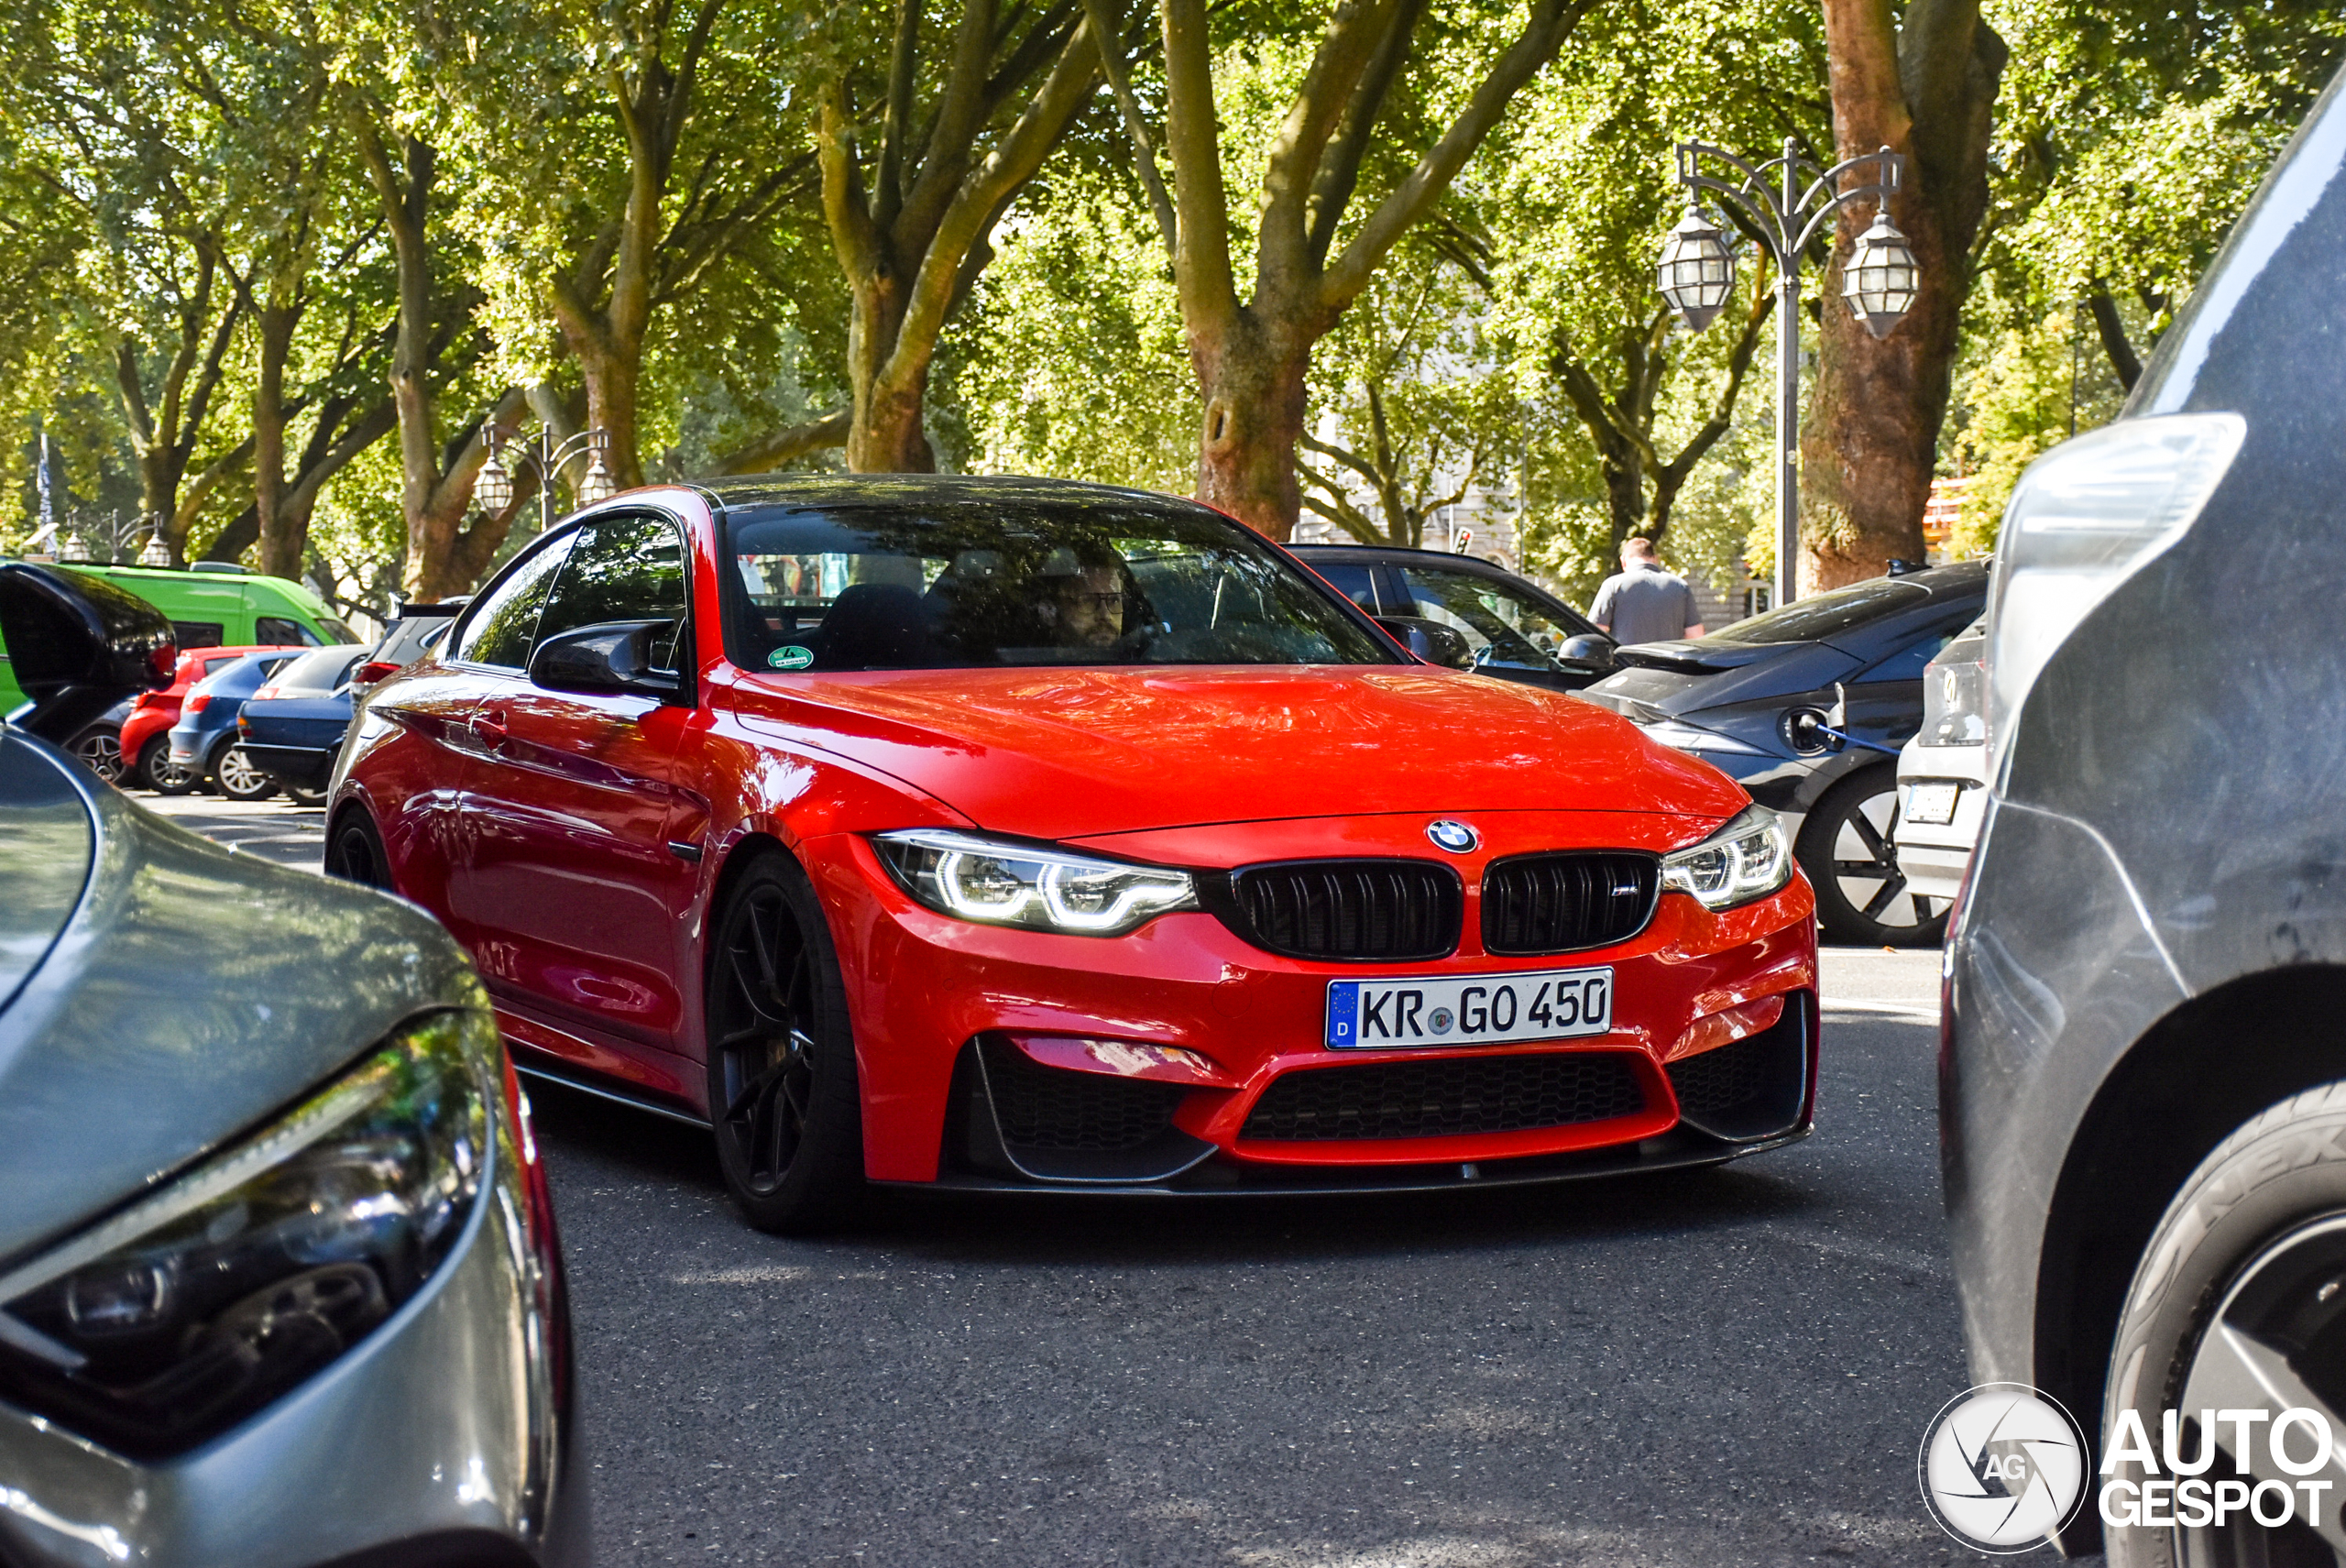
x: 1694, y: 656
x: 78, y: 645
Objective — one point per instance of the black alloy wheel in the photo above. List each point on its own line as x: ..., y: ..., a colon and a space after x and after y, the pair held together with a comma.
x: 355, y: 852
x: 156, y: 770
x: 782, y: 1094
x: 1848, y: 850
x: 2240, y: 1304
x: 100, y: 747
x: 239, y: 778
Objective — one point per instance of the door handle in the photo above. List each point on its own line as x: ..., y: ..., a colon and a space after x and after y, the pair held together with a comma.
x: 489, y: 726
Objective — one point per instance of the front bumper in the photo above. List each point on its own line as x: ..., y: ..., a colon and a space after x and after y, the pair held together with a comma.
x: 936, y: 1002
x: 445, y: 1437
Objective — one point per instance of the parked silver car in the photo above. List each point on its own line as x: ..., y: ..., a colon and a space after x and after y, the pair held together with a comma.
x: 278, y: 1276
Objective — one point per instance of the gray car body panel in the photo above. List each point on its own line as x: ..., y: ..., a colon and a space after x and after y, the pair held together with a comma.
x: 222, y: 987
x: 2173, y: 814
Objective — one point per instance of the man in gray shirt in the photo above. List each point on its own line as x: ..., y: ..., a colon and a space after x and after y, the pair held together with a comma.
x: 1643, y: 603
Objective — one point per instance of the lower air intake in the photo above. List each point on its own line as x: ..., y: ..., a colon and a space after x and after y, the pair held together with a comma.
x: 1445, y: 1099
x: 1042, y: 1107
x: 1755, y: 1088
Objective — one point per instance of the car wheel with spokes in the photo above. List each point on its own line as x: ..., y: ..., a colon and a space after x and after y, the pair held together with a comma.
x: 100, y: 747
x: 2240, y: 1304
x: 783, y: 1095
x: 156, y: 770
x: 238, y: 779
x: 355, y: 852
x: 1848, y: 850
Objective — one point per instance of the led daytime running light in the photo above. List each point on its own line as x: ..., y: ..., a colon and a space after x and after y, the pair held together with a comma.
x: 1746, y: 860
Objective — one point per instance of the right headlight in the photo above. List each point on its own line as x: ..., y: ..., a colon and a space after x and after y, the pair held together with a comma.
x: 191, y: 1309
x: 1745, y: 859
x: 2084, y: 517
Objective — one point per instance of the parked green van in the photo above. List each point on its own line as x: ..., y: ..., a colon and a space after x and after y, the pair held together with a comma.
x: 216, y: 605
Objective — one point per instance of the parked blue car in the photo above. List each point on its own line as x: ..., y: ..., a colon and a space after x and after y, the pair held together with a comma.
x: 204, y: 739
x: 292, y: 727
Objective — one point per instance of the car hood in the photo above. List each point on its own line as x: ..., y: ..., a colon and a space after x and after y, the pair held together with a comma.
x: 1052, y: 753
x: 163, y: 996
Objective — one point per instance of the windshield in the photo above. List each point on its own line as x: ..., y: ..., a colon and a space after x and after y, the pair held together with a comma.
x: 1826, y: 615
x: 964, y: 584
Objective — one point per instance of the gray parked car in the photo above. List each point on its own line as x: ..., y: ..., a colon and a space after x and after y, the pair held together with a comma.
x: 2142, y: 1091
x: 279, y: 1278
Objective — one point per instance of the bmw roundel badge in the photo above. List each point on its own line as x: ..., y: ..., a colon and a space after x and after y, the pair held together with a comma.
x: 1454, y: 837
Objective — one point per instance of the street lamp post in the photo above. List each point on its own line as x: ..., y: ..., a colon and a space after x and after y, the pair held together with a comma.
x: 1697, y: 274
x: 494, y: 486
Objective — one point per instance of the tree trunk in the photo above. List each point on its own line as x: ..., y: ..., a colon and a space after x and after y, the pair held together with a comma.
x: 1252, y: 378
x: 283, y: 536
x: 611, y: 370
x: 886, y: 429
x: 1869, y: 446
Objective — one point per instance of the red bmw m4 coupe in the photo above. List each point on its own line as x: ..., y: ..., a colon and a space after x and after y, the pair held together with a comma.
x: 1011, y: 834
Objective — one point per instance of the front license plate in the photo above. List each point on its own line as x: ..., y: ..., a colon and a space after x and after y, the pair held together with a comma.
x: 1931, y: 804
x: 1469, y: 1010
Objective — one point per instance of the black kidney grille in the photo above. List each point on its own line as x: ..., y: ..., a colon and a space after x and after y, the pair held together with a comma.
x: 1723, y: 1079
x: 1040, y: 1107
x: 1557, y: 903
x: 1348, y: 909
x: 1444, y: 1099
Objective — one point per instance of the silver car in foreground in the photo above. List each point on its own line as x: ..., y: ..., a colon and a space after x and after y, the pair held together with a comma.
x: 278, y: 1277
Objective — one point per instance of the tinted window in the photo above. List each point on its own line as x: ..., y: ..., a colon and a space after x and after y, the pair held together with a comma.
x: 622, y: 568
x: 278, y: 628
x: 1022, y: 582
x: 1355, y: 583
x: 1504, y: 626
x: 502, y: 624
x: 196, y: 633
x: 1828, y: 615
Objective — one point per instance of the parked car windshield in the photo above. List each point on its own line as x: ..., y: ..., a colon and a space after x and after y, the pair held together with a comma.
x: 1504, y: 627
x: 1828, y: 615
x: 320, y: 672
x: 968, y: 584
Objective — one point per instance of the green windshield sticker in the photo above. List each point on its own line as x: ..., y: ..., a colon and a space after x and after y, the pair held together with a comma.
x: 791, y: 658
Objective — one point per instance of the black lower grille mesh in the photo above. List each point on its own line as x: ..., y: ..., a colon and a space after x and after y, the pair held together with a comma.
x: 1042, y: 1107
x: 1347, y: 909
x: 1556, y: 903
x: 1723, y: 1079
x: 1441, y: 1099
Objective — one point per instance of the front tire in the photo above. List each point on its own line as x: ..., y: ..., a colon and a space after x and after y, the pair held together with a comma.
x: 238, y: 779
x: 355, y: 852
x: 784, y: 1098
x: 156, y: 771
x: 1848, y: 850
x: 2238, y: 1294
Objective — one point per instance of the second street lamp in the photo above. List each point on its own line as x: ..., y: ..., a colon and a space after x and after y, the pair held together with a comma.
x: 493, y: 486
x: 1697, y: 270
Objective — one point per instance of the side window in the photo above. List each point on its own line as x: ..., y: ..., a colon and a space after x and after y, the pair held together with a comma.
x: 502, y: 624
x: 191, y: 634
x: 1502, y: 628
x: 1353, y: 582
x: 278, y: 629
x: 622, y: 568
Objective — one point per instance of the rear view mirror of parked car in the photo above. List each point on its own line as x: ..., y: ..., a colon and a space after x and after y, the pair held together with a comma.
x: 79, y: 645
x: 1429, y: 640
x: 616, y: 656
x: 1587, y: 650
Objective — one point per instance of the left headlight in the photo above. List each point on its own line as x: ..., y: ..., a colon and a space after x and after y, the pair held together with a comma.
x: 188, y: 1312
x: 1747, y: 859
x: 1004, y: 883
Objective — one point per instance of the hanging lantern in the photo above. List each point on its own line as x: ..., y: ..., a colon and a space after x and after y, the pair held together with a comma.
x: 597, y: 483
x: 1697, y: 270
x: 1880, y: 278
x: 158, y: 553
x: 493, y: 487
x: 72, y: 547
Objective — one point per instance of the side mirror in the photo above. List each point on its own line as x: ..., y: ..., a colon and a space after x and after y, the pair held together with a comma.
x: 615, y: 657
x: 1588, y: 649
x: 78, y: 645
x: 1430, y: 641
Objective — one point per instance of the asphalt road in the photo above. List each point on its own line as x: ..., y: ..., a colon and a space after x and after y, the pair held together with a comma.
x: 1732, y: 1367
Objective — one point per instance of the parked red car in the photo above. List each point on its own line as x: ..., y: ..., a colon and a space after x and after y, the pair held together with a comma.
x: 146, y: 734
x: 1017, y: 834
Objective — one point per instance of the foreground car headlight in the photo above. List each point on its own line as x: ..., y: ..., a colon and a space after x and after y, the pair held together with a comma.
x: 1004, y: 882
x: 1747, y: 859
x: 191, y: 1309
x: 2086, y: 516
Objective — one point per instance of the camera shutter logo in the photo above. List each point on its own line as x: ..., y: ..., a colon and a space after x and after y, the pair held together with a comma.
x: 2002, y: 1467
